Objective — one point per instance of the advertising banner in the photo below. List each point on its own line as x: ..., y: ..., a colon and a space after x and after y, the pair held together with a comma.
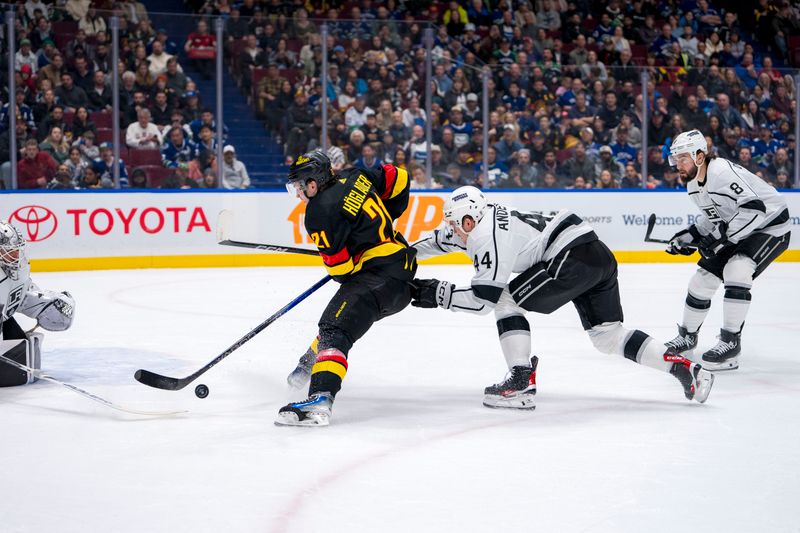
x: 88, y: 230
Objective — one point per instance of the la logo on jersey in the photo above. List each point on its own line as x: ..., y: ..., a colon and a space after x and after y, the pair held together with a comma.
x: 14, y: 299
x: 711, y: 213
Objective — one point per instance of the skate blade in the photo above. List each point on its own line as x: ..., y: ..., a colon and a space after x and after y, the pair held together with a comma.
x: 731, y: 364
x: 311, y: 420
x: 501, y: 402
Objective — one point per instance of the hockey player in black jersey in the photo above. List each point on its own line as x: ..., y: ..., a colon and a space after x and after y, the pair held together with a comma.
x: 558, y: 259
x: 743, y: 227
x: 349, y: 216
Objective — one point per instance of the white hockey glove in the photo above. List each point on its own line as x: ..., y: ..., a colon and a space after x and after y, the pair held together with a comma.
x: 684, y: 242
x: 57, y: 314
x: 431, y: 293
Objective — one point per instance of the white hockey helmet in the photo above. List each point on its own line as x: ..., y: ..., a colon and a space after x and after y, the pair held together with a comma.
x: 688, y: 142
x: 467, y: 200
x: 12, y: 249
x: 336, y: 156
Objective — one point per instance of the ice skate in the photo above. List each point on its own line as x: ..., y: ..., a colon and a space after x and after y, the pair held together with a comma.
x: 313, y: 411
x: 300, y: 376
x: 517, y: 391
x: 725, y: 354
x: 696, y: 380
x: 684, y: 343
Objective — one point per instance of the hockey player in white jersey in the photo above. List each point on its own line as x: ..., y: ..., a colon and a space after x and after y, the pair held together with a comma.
x: 558, y: 259
x: 743, y: 226
x: 18, y: 294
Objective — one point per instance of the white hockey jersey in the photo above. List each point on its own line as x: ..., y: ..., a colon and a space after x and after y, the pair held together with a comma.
x: 505, y: 242
x: 739, y: 201
x: 21, y: 295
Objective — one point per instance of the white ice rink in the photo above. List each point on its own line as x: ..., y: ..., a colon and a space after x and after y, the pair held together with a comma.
x: 611, y: 446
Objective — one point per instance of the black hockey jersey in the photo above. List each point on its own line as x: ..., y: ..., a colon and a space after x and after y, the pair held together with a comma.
x: 351, y: 221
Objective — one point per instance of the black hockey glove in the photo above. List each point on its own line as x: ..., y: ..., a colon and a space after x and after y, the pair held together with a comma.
x: 431, y: 293
x: 684, y: 242
x: 713, y: 243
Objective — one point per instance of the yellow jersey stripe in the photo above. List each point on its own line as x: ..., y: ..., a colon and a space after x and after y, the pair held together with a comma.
x: 400, y: 183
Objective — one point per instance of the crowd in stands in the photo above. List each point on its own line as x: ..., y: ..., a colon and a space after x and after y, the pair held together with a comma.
x: 63, y: 104
x: 565, y: 94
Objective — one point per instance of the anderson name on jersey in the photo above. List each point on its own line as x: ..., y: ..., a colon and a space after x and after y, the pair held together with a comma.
x: 505, y: 242
x: 738, y: 202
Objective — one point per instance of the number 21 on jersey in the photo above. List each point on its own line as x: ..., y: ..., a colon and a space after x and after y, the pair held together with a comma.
x: 320, y: 239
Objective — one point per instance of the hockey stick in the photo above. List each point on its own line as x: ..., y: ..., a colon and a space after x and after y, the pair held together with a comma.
x: 651, y: 223
x: 151, y: 379
x: 86, y: 394
x: 224, y: 224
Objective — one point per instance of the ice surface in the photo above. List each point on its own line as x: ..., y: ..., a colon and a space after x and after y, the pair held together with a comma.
x: 611, y: 447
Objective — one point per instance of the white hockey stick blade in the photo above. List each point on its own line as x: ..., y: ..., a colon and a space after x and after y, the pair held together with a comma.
x: 86, y: 394
x: 224, y: 224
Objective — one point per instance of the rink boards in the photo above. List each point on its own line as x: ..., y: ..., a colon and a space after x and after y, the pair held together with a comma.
x: 107, y: 230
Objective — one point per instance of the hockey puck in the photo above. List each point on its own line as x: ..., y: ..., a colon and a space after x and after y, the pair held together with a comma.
x: 201, y: 391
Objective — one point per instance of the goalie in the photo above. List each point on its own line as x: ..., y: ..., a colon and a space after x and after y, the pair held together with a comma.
x: 18, y: 294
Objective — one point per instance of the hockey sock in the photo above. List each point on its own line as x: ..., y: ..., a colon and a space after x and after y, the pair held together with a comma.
x: 328, y: 372
x: 735, y: 307
x: 515, y: 340
x: 645, y: 350
x: 702, y: 287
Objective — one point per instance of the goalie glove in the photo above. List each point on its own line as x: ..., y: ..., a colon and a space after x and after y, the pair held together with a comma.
x: 684, y: 242
x: 57, y: 314
x: 431, y: 293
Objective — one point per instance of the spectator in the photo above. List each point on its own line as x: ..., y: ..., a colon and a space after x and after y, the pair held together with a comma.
x: 143, y: 133
x: 745, y: 159
x: 53, y: 70
x: 91, y: 24
x: 368, y: 159
x: 508, y: 145
x: 158, y: 59
x: 25, y: 56
x: 200, y: 47
x: 413, y: 115
x: 5, y: 155
x: 234, y: 172
x: 780, y: 163
x: 782, y: 180
x: 632, y: 179
x: 623, y: 152
x: 727, y: 115
x: 607, y: 162
x: 56, y: 145
x: 526, y: 171
x: 70, y: 95
x: 177, y: 149
x: 549, y: 181
x: 36, y: 168
x: 356, y: 116
x: 139, y: 179
x: 104, y: 167
x: 606, y: 180
x: 579, y: 164
x: 76, y: 164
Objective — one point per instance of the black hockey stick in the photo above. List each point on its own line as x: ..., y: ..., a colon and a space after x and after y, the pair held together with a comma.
x: 269, y: 247
x: 151, y: 379
x: 651, y: 223
x: 224, y: 225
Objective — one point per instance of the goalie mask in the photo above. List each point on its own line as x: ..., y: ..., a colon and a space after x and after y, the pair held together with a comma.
x: 465, y: 201
x: 12, y: 249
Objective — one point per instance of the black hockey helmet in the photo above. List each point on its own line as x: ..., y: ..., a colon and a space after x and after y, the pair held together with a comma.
x: 314, y: 165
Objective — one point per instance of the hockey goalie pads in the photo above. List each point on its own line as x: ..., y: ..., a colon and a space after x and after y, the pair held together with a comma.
x: 25, y: 351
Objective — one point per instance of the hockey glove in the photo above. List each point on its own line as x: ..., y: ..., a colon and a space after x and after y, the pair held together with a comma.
x: 684, y: 242
x: 713, y: 243
x: 431, y: 293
